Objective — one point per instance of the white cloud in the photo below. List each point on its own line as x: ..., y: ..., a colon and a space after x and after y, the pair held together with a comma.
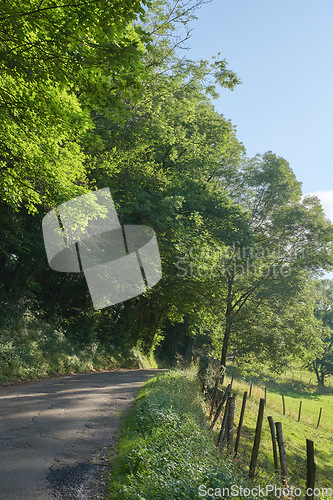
x: 326, y: 198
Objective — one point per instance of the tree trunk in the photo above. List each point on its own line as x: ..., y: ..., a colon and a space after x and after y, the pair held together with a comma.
x: 149, y: 344
x: 319, y: 380
x: 228, y: 323
x: 226, y: 338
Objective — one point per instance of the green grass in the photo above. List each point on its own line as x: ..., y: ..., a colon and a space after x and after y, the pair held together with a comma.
x: 165, y: 450
x: 294, y: 432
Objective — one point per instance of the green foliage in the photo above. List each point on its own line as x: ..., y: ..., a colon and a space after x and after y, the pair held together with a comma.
x: 97, y: 94
x: 58, y: 62
x: 165, y: 166
x: 291, y: 242
x: 279, y: 330
x: 321, y: 360
x: 30, y: 347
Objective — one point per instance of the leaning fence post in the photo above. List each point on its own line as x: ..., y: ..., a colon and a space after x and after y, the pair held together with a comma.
x: 319, y: 417
x: 275, y: 452
x: 218, y: 411
x: 257, y: 436
x: 250, y: 393
x: 230, y: 426
x: 282, y: 452
x: 310, y: 469
x: 265, y: 394
x: 241, y: 418
x: 221, y: 438
x: 219, y: 408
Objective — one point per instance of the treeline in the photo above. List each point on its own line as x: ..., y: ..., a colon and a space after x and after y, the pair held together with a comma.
x: 100, y: 94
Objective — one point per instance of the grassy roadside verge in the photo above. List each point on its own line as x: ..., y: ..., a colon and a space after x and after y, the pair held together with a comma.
x: 165, y: 449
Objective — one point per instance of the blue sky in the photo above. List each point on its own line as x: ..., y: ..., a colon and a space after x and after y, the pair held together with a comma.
x: 283, y: 53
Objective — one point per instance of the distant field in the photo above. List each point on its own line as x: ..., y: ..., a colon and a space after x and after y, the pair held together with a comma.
x: 295, y: 433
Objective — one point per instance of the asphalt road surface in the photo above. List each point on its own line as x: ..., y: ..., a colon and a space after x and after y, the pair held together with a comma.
x: 52, y: 430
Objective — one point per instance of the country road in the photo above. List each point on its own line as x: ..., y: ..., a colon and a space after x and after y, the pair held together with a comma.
x: 51, y: 429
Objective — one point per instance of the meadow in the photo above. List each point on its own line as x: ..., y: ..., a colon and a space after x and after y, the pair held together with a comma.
x: 296, y: 385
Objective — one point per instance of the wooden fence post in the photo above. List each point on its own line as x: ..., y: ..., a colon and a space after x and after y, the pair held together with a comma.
x: 257, y: 436
x: 240, y: 424
x: 230, y: 426
x: 283, y: 405
x: 319, y: 416
x: 221, y: 438
x: 275, y: 452
x: 282, y: 452
x: 265, y: 394
x: 250, y: 390
x: 219, y: 408
x: 299, y: 411
x: 310, y: 469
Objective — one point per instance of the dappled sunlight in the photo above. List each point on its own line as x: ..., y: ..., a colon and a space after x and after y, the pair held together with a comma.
x: 60, y: 421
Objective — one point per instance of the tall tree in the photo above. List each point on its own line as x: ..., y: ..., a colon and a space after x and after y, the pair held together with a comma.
x: 160, y: 167
x: 163, y: 164
x: 291, y: 241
